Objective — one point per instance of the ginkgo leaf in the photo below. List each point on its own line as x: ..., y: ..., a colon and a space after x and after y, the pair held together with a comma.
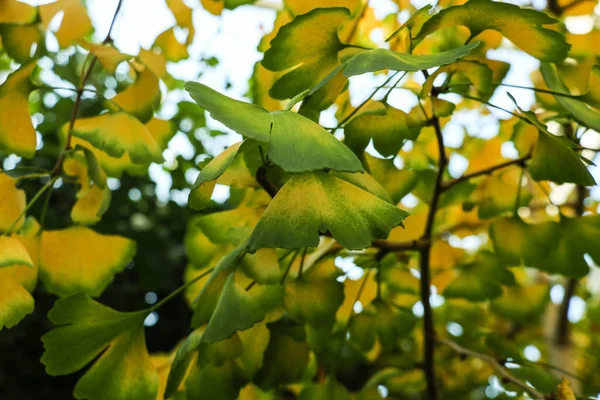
x: 353, y: 216
x: 262, y: 266
x: 522, y: 303
x: 140, y: 99
x: 553, y: 157
x: 397, y: 182
x: 13, y: 252
x: 15, y: 302
x: 92, y: 200
x: 480, y: 279
x: 328, y: 390
x: 286, y: 356
x: 183, y: 16
x: 119, y: 134
x: 314, y: 299
x: 162, y: 131
x: 89, y: 331
x: 79, y: 260
x: 305, y: 66
x: 108, y: 55
x: 207, y: 179
x: 155, y: 61
x: 389, y: 128
x: 581, y: 112
x: 365, y: 182
x: 479, y: 74
x: 16, y: 129
x: 12, y: 203
x: 181, y: 363
x: 523, y: 27
x: 16, y: 12
x: 75, y: 23
x: 381, y: 59
x: 296, y: 143
x: 299, y: 7
x: 235, y: 311
x: 22, y: 42
x: 172, y: 48
x: 213, y: 382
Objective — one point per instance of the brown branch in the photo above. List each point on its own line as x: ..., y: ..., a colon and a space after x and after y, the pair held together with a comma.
x: 502, y: 371
x: 79, y: 97
x: 487, y: 171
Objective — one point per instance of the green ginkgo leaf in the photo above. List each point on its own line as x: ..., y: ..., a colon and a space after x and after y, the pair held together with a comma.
x: 213, y: 382
x: 554, y: 157
x: 523, y: 27
x: 315, y: 203
x: 581, y: 112
x: 382, y: 59
x: 89, y: 331
x: 524, y: 304
x: 181, y: 362
x: 205, y: 183
x: 235, y: 311
x: 296, y: 143
x: 308, y: 64
x: 388, y: 127
x: 480, y: 279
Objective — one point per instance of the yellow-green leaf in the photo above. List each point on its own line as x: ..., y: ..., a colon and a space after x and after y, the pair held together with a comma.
x: 75, y: 23
x: 12, y: 203
x: 119, y: 134
x: 296, y: 143
x: 19, y: 41
x: 79, y: 260
x: 13, y: 252
x: 353, y: 216
x: 305, y: 65
x: 523, y: 27
x: 141, y: 98
x: 89, y: 331
x: 16, y: 130
x: 564, y: 390
x: 108, y: 55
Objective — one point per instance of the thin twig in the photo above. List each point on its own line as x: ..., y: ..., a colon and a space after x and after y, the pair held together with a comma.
x: 78, y: 99
x: 487, y: 171
x: 502, y: 371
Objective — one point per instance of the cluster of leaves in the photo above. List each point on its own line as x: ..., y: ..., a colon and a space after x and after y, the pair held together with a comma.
x: 274, y: 314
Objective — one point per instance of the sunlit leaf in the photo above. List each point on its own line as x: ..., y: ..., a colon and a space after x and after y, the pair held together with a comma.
x: 523, y: 27
x: 12, y: 203
x: 388, y: 127
x: 119, y: 134
x: 16, y: 12
x: 16, y: 130
x: 75, y: 22
x: 296, y: 143
x: 564, y: 390
x: 170, y: 46
x: 308, y: 64
x: 353, y: 216
x: 79, y: 260
x: 107, y: 55
x: 22, y: 42
x: 88, y: 331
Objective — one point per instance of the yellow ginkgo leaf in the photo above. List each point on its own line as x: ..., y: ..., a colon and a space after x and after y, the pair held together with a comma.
x: 298, y: 7
x: 15, y: 302
x: 16, y: 130
x: 162, y: 131
x: 156, y: 62
x: 172, y: 48
x: 12, y: 203
x: 92, y: 200
x: 16, y: 12
x: 108, y: 56
x: 18, y: 280
x: 13, y: 252
x: 22, y: 42
x: 183, y: 16
x: 119, y: 134
x: 141, y: 97
x: 75, y: 22
x: 79, y: 260
x: 214, y: 7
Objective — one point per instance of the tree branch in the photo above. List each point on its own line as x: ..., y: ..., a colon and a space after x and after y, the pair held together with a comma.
x: 487, y: 171
x: 429, y: 335
x: 78, y: 99
x: 499, y: 368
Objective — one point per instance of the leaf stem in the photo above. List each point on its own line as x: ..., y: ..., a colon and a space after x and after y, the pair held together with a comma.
x: 301, y: 267
x: 499, y: 368
x: 519, y: 188
x: 289, y: 266
x: 493, y: 106
x: 180, y: 289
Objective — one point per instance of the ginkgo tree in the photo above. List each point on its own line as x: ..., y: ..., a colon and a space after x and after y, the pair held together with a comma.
x: 352, y: 260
